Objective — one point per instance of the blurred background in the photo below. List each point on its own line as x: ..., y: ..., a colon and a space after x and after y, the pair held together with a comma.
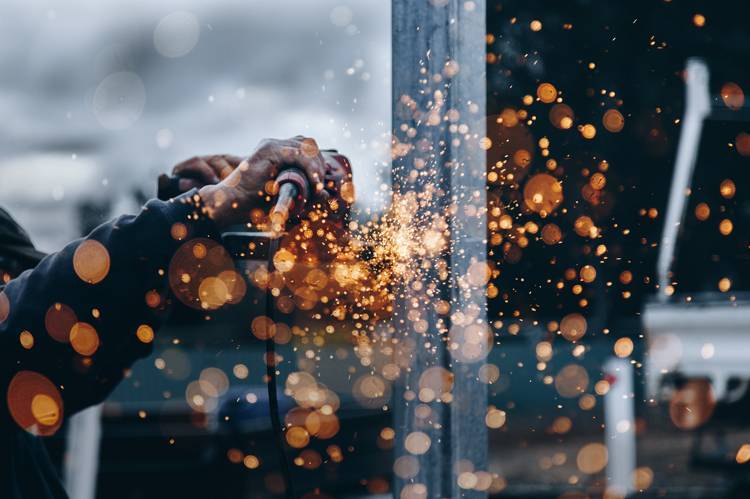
x: 99, y: 97
x: 595, y: 94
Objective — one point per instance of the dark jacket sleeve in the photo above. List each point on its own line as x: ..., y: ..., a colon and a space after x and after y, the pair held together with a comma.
x: 110, y: 287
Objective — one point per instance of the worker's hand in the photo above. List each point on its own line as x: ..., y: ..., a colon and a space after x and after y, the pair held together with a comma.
x: 249, y: 184
x: 195, y: 173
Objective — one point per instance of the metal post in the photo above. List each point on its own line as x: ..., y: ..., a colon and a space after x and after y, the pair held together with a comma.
x: 619, y: 429
x: 81, y: 461
x: 439, y: 111
x: 697, y: 108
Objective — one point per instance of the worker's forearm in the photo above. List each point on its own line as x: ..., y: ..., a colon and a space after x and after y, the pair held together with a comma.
x: 108, y: 284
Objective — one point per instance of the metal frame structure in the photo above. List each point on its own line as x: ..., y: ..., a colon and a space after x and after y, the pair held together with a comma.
x: 439, y: 112
x: 619, y: 403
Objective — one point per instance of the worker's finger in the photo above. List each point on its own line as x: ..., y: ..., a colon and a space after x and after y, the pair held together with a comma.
x: 311, y: 160
x: 313, y: 166
x: 185, y: 184
x: 221, y: 167
x: 233, y: 160
x: 196, y: 168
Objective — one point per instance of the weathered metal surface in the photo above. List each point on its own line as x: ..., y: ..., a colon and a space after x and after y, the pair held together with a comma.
x: 439, y: 122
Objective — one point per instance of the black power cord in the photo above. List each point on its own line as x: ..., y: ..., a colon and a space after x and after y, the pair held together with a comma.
x: 273, y: 399
x: 169, y: 187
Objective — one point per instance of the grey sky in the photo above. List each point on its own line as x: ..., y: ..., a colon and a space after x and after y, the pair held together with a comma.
x: 99, y: 96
